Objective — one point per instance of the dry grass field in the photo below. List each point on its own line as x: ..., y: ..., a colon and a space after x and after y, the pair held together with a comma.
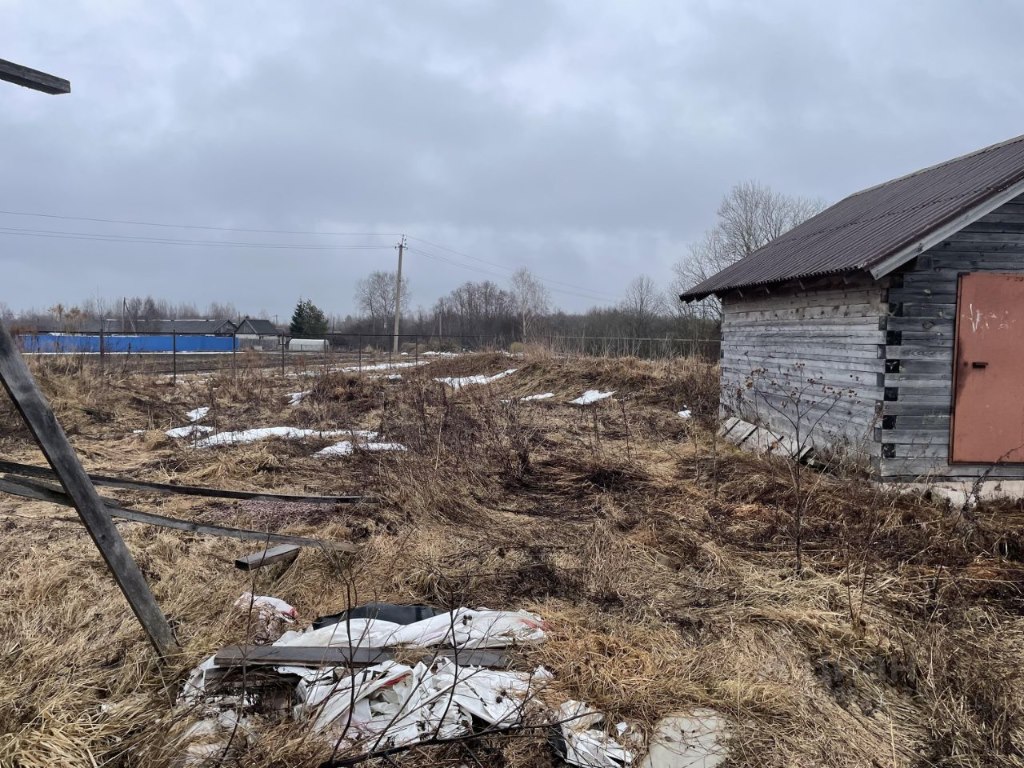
x: 661, y: 559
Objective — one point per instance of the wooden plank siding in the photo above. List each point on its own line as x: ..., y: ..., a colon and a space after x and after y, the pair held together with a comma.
x: 822, y: 345
x: 915, y: 428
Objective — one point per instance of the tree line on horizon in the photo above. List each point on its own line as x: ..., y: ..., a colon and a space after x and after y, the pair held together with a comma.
x: 749, y: 216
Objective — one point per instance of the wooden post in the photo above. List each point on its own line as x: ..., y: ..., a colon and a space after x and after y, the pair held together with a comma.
x: 62, y: 457
x: 398, y: 295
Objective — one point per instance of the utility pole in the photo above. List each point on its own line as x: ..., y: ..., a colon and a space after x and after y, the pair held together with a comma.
x: 398, y: 294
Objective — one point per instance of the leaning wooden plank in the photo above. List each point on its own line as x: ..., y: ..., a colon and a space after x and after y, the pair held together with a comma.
x: 33, y: 78
x: 81, y: 494
x: 41, y: 492
x: 284, y: 553
x: 14, y: 468
x: 305, y: 656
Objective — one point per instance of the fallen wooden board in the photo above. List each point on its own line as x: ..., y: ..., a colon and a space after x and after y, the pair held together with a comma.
x: 27, y: 470
x: 306, y: 656
x: 284, y: 553
x: 43, y: 492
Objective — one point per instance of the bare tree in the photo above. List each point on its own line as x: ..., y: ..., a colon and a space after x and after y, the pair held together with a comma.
x: 642, y: 304
x: 532, y: 299
x: 749, y: 217
x: 375, y: 295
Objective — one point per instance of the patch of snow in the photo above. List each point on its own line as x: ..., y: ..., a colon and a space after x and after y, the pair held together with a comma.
x: 294, y: 398
x: 382, y: 366
x: 138, y: 431
x: 190, y: 431
x: 591, y: 396
x: 528, y: 398
x: 344, y: 448
x: 685, y: 413
x: 458, y: 382
x: 440, y: 354
x: 198, y: 414
x: 347, y: 447
x: 252, y: 435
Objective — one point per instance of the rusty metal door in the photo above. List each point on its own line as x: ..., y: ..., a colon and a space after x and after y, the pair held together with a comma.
x: 988, y: 378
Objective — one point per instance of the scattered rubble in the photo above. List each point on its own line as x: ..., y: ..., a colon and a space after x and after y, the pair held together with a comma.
x: 391, y: 704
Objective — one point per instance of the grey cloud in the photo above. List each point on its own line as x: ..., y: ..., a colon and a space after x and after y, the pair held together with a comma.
x: 588, y: 141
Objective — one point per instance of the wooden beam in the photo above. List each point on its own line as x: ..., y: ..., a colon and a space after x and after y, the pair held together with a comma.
x: 40, y: 491
x: 15, y: 468
x: 285, y: 553
x: 54, y: 444
x: 305, y: 656
x: 33, y: 78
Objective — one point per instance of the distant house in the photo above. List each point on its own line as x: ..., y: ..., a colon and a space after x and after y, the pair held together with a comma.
x: 891, y: 325
x: 186, y: 326
x: 253, y: 333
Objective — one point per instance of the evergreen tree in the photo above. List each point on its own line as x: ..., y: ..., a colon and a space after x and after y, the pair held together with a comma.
x: 308, y: 320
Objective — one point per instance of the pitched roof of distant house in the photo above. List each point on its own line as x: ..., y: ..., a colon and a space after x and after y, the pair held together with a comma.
x: 203, y: 326
x: 881, y: 228
x: 257, y: 326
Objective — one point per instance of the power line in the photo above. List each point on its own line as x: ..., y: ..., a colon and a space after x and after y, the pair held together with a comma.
x: 112, y: 238
x: 502, y: 266
x: 569, y: 289
x: 196, y: 226
x: 470, y: 267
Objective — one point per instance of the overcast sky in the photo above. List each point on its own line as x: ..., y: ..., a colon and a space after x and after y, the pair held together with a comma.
x: 588, y: 141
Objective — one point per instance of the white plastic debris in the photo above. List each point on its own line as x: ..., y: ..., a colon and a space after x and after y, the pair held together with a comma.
x: 212, y: 740
x: 190, y: 431
x: 685, y: 413
x: 462, y: 628
x: 198, y: 413
x: 294, y: 398
x: 268, y: 616
x: 274, y: 603
x: 693, y: 739
x: 585, y: 743
x: 591, y: 396
x: 458, y: 382
x: 391, y: 704
x: 195, y: 687
x: 252, y: 435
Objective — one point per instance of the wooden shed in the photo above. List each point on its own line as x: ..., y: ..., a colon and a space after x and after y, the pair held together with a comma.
x: 891, y: 325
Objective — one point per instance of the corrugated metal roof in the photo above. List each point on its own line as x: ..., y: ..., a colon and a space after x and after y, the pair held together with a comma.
x: 867, y: 227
